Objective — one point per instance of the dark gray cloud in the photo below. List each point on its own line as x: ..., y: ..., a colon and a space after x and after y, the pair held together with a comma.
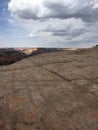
x: 62, y: 9
x: 68, y: 33
x: 26, y: 14
x: 86, y: 12
x: 58, y: 21
x: 66, y: 28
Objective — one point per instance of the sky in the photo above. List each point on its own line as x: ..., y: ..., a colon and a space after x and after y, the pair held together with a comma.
x: 49, y: 23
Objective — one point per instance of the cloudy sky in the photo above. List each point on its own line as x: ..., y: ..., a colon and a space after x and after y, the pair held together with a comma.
x: 48, y: 23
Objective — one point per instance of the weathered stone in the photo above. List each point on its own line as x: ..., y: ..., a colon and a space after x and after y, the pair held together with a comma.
x: 20, y: 126
x: 2, y: 124
x: 53, y: 91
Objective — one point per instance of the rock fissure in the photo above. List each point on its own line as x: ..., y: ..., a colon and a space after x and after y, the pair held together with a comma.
x: 46, y: 92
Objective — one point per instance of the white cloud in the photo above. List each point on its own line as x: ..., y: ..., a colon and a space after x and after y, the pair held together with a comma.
x: 67, y: 28
x: 63, y: 9
x: 57, y: 22
x: 34, y: 34
x: 11, y: 21
x: 95, y: 6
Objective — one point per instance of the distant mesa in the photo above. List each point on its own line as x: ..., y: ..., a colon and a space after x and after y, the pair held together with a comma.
x: 12, y: 55
x: 9, y: 56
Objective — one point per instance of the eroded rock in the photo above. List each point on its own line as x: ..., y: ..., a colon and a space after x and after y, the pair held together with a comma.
x: 53, y: 91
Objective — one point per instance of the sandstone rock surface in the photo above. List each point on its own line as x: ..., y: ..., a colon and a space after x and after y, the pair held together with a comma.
x: 53, y: 91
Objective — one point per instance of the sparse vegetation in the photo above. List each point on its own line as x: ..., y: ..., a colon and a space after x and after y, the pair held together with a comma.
x: 9, y: 56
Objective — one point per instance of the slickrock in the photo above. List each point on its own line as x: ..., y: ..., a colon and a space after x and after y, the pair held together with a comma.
x: 51, y: 91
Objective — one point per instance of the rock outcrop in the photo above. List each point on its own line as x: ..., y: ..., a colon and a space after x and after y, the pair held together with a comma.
x: 53, y: 91
x: 10, y: 55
